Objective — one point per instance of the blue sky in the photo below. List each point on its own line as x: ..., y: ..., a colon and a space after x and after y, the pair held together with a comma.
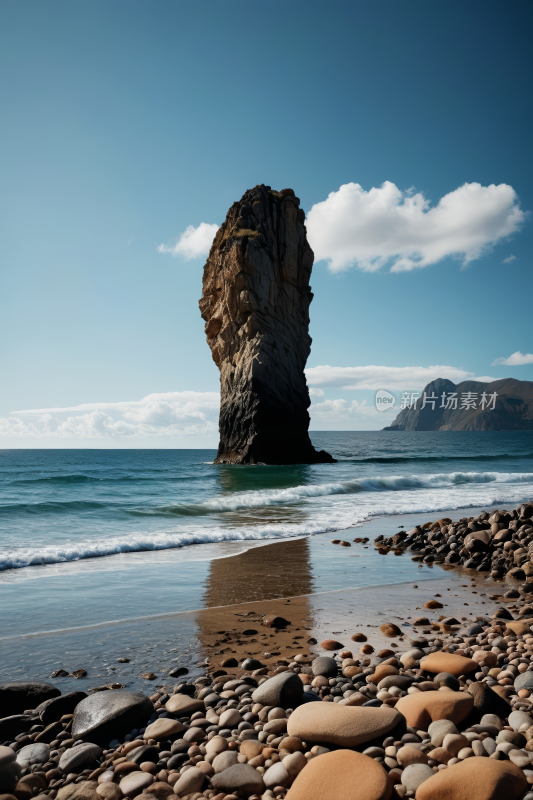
x: 126, y: 122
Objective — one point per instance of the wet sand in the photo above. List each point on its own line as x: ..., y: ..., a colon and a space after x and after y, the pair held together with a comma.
x: 311, y: 582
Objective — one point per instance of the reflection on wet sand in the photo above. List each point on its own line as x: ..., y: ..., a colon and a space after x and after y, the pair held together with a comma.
x: 282, y: 569
x: 256, y: 578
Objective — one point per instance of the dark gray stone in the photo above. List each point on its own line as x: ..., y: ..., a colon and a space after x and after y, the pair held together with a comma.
x: 18, y: 696
x: 9, y: 777
x: 12, y: 726
x: 53, y: 709
x: 326, y: 666
x: 146, y: 752
x: 284, y: 690
x: 445, y: 679
x: 401, y: 681
x: 250, y: 664
x: 108, y: 715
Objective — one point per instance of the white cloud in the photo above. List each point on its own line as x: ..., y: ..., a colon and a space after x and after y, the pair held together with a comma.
x: 517, y: 359
x: 375, y: 377
x: 509, y: 259
x: 316, y: 392
x: 341, y: 409
x: 387, y: 226
x: 158, y: 414
x: 193, y: 243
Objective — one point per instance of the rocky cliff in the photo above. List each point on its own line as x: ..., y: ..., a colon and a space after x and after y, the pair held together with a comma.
x: 255, y: 304
x: 510, y: 410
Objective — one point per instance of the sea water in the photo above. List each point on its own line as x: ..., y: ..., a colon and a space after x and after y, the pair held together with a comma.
x: 88, y: 536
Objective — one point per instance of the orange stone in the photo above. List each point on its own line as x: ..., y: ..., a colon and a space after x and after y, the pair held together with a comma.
x: 448, y: 662
x: 475, y: 778
x: 330, y: 644
x: 343, y: 725
x: 341, y: 774
x: 423, y: 708
x: 382, y: 671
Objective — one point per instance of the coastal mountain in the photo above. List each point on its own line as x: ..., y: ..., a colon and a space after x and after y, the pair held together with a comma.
x: 255, y: 304
x: 504, y: 405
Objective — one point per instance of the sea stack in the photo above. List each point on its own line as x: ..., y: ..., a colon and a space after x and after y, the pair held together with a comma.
x: 255, y: 304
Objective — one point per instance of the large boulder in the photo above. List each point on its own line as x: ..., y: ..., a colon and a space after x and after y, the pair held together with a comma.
x: 54, y: 708
x: 20, y: 696
x: 341, y: 774
x: 107, y: 715
x: 284, y: 691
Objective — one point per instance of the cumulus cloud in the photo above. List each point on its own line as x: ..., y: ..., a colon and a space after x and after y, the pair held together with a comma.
x: 158, y: 414
x: 375, y: 377
x: 193, y: 243
x: 517, y: 359
x: 316, y: 392
x: 386, y: 226
x: 509, y: 259
x: 341, y: 409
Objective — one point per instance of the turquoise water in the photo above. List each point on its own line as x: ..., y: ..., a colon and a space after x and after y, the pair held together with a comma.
x: 88, y: 536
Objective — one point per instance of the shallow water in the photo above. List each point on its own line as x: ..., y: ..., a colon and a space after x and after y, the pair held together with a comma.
x: 90, y: 536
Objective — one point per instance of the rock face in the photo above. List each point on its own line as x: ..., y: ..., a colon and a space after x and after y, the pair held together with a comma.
x: 255, y: 304
x: 513, y: 407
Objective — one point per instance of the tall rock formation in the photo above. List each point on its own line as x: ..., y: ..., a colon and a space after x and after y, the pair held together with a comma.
x: 255, y: 304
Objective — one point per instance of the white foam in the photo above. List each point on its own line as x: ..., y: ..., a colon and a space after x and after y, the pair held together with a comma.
x: 320, y: 508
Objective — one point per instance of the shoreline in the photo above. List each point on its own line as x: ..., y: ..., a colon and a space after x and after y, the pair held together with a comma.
x: 443, y: 652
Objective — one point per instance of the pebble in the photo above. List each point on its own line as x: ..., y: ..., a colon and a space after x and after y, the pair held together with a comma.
x: 346, y: 726
x: 423, y: 708
x: 414, y: 775
x: 134, y: 783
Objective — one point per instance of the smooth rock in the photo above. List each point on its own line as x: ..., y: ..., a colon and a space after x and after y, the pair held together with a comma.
x: 134, y: 783
x: 284, y: 690
x: 294, y: 763
x: 107, y: 715
x: 109, y: 791
x: 414, y: 776
x: 163, y: 728
x: 9, y: 776
x: 231, y: 718
x: 341, y: 775
x: 524, y: 681
x: 8, y: 756
x: 85, y: 790
x: 17, y: 696
x: 486, y: 701
x: 241, y: 777
x: 75, y: 759
x: 346, y: 726
x: 519, y: 718
x: 276, y: 775
x: 54, y: 708
x: 407, y: 755
x: 191, y: 781
x: 476, y: 778
x: 448, y: 662
x: 422, y: 708
x: 326, y: 666
x: 183, y: 705
x: 225, y: 760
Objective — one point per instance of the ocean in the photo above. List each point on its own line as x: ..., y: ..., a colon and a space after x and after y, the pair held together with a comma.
x: 102, y: 551
x: 88, y: 536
